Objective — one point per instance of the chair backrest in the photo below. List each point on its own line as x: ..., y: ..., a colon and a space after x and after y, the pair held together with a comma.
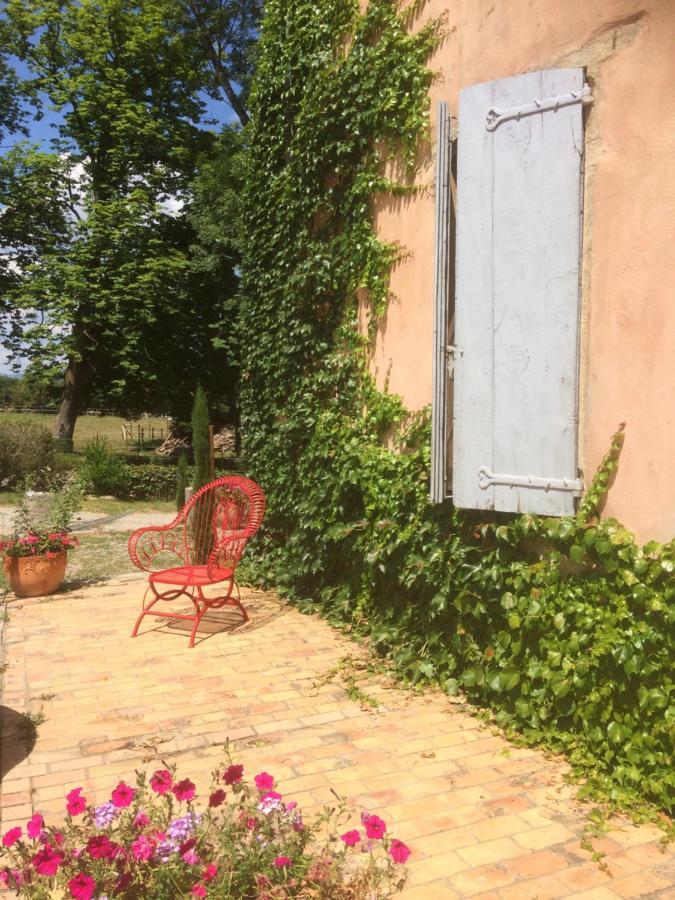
x: 220, y: 518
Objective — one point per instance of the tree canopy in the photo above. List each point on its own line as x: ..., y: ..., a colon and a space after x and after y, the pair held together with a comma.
x: 113, y: 264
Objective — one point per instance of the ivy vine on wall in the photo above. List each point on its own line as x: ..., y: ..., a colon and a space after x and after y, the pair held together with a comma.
x: 561, y: 626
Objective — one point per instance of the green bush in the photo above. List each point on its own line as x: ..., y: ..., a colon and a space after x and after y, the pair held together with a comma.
x: 201, y: 445
x: 151, y: 482
x: 183, y: 480
x: 103, y: 471
x: 25, y: 451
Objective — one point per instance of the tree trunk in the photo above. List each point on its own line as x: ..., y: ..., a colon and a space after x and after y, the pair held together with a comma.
x: 75, y: 380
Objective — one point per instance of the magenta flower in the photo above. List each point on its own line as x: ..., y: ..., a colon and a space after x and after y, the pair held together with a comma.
x: 142, y: 848
x: 282, y: 862
x: 209, y: 872
x: 122, y: 795
x: 76, y: 802
x: 351, y: 837
x: 161, y: 781
x: 191, y: 858
x: 233, y: 774
x: 375, y: 827
x: 142, y: 818
x: 82, y: 887
x: 184, y: 790
x: 11, y: 837
x: 217, y: 798
x: 34, y: 826
x: 399, y: 852
x: 101, y: 847
x: 264, y: 781
x: 47, y: 861
x: 198, y: 891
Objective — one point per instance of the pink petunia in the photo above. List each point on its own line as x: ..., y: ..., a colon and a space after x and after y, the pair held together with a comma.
x: 375, y: 827
x: 282, y: 862
x: 191, y: 858
x: 264, y: 781
x: 399, y: 852
x: 198, y: 891
x: 142, y: 848
x: 209, y: 872
x: 184, y: 790
x: 216, y: 799
x: 101, y: 847
x: 122, y: 795
x: 233, y: 774
x: 11, y: 837
x: 351, y: 838
x: 161, y: 781
x: 34, y: 826
x: 82, y: 886
x: 76, y: 803
x: 47, y: 861
x: 141, y: 819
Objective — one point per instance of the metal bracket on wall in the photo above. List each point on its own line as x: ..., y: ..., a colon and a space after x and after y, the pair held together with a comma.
x: 486, y: 478
x: 495, y: 116
x: 452, y: 352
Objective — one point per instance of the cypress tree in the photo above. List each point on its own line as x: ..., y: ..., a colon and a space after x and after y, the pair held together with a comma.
x: 200, y: 439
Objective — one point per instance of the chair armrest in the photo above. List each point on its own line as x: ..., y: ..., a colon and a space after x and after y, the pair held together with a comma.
x: 146, y: 543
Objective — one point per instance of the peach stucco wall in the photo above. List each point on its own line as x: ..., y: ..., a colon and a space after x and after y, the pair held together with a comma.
x: 628, y: 307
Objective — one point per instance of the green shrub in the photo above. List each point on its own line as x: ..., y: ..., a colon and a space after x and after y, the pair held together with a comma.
x: 103, y: 471
x: 152, y: 482
x: 25, y: 451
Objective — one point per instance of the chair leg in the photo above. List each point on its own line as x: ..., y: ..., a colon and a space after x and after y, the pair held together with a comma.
x: 167, y: 595
x: 200, y: 610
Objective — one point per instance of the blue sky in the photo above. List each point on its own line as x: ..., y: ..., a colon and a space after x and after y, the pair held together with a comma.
x: 41, y: 132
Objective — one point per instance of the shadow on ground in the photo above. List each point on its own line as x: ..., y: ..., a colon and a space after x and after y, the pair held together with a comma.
x: 261, y: 610
x: 18, y: 739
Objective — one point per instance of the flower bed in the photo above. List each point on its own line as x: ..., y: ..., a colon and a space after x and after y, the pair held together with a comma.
x: 150, y: 841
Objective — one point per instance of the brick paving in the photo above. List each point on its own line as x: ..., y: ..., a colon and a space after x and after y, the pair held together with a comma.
x: 484, y: 819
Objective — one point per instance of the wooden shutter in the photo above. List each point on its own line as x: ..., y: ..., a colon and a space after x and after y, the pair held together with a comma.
x: 443, y: 254
x: 519, y: 186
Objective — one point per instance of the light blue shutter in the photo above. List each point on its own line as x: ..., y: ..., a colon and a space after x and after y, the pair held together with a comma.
x: 519, y: 188
x: 439, y: 407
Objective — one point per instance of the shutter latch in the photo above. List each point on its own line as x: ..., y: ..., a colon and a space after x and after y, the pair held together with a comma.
x: 495, y: 116
x: 452, y: 352
x: 486, y: 478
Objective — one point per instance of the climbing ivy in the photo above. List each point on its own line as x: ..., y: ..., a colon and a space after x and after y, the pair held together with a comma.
x: 560, y: 626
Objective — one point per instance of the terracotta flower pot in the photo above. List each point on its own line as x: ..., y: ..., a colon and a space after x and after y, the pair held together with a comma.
x: 35, y: 576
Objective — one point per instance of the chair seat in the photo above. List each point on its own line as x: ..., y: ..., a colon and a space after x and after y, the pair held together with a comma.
x: 190, y: 575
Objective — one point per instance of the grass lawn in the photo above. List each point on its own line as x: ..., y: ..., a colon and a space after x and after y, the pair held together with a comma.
x: 107, y: 506
x: 88, y: 427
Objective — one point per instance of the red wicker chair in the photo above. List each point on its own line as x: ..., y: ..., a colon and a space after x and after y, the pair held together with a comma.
x: 202, y: 547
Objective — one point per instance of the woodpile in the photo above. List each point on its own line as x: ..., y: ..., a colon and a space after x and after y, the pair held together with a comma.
x: 172, y: 446
x: 225, y: 440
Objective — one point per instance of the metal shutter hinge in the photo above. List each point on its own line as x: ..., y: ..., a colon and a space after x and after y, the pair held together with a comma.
x: 495, y: 116
x: 486, y: 478
x: 452, y: 352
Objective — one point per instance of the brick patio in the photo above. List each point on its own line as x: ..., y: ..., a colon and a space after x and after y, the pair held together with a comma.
x: 484, y: 819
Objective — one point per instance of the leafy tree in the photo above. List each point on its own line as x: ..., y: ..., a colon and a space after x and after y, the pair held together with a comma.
x: 104, y: 274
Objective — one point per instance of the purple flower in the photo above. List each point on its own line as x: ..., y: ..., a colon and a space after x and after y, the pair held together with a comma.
x: 104, y: 815
x: 181, y: 828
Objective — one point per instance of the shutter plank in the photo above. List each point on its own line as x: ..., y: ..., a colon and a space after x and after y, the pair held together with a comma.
x: 473, y: 372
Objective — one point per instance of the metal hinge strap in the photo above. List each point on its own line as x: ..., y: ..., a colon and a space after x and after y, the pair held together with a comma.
x: 486, y: 478
x: 495, y: 116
